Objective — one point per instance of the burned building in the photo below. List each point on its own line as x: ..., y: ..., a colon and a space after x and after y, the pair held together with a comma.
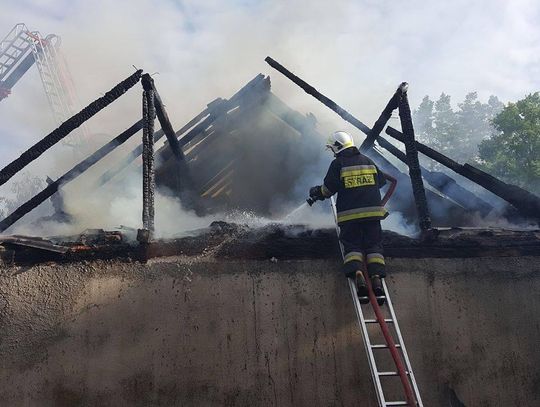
x: 240, y: 316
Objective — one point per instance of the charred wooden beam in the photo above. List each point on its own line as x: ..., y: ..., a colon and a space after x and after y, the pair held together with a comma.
x: 182, y: 177
x: 69, y: 125
x: 132, y: 156
x: 163, y: 117
x: 374, y: 155
x: 257, y: 87
x: 318, y: 95
x: 149, y: 113
x: 442, y: 182
x: 525, y: 202
x: 412, y: 160
x: 69, y: 176
x: 449, y: 187
x: 392, y: 105
x: 254, y: 92
x: 136, y: 152
x: 378, y: 158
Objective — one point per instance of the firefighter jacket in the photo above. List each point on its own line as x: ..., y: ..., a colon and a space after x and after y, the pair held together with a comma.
x: 356, y: 180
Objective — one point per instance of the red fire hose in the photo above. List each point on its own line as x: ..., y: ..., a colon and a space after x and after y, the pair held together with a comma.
x: 409, y: 395
x: 391, y: 189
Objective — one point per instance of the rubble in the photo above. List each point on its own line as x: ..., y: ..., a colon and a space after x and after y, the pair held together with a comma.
x: 229, y: 241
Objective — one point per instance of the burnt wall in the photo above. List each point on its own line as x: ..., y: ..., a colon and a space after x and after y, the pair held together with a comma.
x: 190, y: 331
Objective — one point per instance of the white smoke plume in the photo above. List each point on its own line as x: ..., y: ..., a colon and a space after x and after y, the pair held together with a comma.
x: 354, y: 51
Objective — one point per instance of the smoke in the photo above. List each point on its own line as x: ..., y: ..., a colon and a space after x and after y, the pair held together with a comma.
x: 356, y: 52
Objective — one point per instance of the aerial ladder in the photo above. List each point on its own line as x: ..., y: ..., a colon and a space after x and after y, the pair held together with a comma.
x: 19, y: 50
x: 377, y: 324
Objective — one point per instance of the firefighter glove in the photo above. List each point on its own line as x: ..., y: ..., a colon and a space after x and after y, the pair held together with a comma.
x: 316, y: 193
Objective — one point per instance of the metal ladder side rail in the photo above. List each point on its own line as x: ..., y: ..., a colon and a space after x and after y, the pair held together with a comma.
x: 19, y: 52
x: 61, y: 91
x: 47, y: 78
x: 46, y: 67
x: 68, y: 86
x: 361, y: 320
x: 401, y: 370
x: 64, y: 75
x: 50, y: 79
x: 367, y: 341
x: 408, y: 364
x: 10, y: 38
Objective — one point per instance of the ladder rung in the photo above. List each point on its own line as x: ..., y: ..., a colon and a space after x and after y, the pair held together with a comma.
x: 7, y: 62
x: 382, y: 297
x: 396, y: 403
x: 19, y: 49
x: 374, y: 321
x: 383, y: 346
x: 390, y: 373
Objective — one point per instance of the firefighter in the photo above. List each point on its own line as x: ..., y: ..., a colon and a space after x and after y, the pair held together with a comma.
x: 357, y: 180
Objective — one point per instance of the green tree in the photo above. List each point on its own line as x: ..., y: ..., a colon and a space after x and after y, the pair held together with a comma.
x: 513, y: 152
x: 423, y: 121
x: 456, y: 133
x: 446, y: 135
x: 474, y: 124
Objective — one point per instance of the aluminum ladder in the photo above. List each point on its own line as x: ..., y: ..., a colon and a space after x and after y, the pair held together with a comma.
x: 57, y: 82
x: 396, y: 347
x: 19, y: 50
x: 15, y: 48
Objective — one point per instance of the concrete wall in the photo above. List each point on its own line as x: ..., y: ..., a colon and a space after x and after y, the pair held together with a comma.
x: 193, y: 332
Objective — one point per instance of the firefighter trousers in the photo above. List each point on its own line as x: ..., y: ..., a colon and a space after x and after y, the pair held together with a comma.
x: 362, y: 242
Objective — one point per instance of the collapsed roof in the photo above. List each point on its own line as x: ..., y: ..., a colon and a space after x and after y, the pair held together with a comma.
x: 252, y: 152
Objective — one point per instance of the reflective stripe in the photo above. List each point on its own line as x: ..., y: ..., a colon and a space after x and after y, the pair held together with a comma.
x: 351, y: 256
x: 358, y: 170
x: 325, y: 191
x: 362, y: 213
x: 375, y: 258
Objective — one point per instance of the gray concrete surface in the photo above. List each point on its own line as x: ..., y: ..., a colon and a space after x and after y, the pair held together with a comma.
x: 193, y: 332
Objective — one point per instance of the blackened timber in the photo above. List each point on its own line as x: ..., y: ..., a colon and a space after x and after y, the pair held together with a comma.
x: 525, y: 202
x: 136, y: 152
x: 303, y: 124
x: 163, y: 117
x: 68, y: 126
x: 148, y: 161
x: 375, y: 156
x: 318, y: 95
x: 412, y: 160
x: 449, y: 187
x: 182, y: 177
x: 69, y: 176
x: 378, y: 158
x: 427, y: 151
x: 441, y: 182
x: 392, y: 105
x: 258, y: 85
x: 112, y: 172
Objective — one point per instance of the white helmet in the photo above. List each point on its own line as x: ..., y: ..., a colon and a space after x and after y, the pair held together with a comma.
x: 339, y: 141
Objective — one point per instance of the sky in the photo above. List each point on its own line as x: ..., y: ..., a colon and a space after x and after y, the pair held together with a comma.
x: 356, y: 52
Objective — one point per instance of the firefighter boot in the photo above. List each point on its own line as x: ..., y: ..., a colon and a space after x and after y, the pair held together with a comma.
x: 361, y: 288
x: 376, y: 285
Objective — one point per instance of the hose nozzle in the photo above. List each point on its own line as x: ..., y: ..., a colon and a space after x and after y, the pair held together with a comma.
x: 310, y: 201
